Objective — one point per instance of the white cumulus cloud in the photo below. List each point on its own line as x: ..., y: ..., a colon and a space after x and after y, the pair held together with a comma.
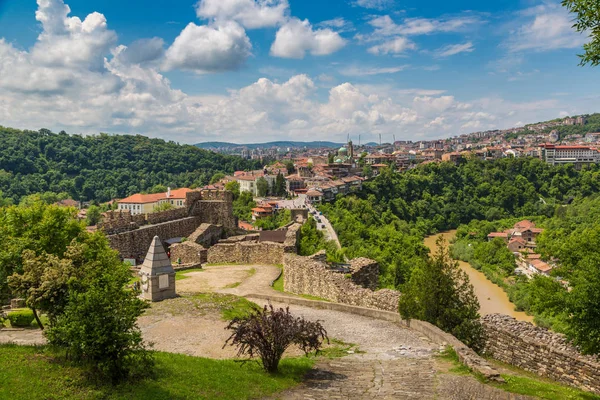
x: 208, y: 48
x: 295, y: 38
x: 251, y: 14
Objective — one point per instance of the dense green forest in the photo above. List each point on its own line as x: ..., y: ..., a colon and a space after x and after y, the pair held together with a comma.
x: 388, y: 220
x: 102, y: 167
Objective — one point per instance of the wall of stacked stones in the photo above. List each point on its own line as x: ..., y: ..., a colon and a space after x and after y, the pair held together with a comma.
x: 165, y: 216
x: 207, y: 235
x: 135, y: 244
x: 304, y: 275
x: 216, y: 212
x: 189, y: 252
x: 540, y: 351
x: 246, y: 252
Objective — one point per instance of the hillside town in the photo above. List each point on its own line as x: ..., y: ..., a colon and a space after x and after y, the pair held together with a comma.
x: 542, y: 140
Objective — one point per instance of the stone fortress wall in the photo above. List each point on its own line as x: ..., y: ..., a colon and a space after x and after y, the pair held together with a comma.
x: 130, y: 234
x: 312, y: 276
x: 247, y: 249
x: 540, y: 351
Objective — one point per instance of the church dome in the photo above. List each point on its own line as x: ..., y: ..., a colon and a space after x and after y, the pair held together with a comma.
x: 342, y: 151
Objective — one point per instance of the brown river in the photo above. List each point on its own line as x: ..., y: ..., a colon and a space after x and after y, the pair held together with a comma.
x: 492, y: 298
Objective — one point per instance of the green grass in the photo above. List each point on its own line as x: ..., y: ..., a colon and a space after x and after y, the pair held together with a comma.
x: 179, y: 275
x: 339, y: 348
x: 278, y: 284
x: 34, y: 373
x: 233, y: 285
x: 521, y: 382
x: 230, y: 306
x: 251, y: 272
x: 310, y: 297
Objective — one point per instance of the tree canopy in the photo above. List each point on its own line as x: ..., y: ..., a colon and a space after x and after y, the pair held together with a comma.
x: 103, y: 167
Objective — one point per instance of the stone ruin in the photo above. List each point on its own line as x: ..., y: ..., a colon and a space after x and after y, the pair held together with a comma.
x: 353, y: 284
x: 157, y: 275
x: 540, y: 351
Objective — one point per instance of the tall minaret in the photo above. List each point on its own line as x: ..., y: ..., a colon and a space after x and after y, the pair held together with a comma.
x: 350, y: 150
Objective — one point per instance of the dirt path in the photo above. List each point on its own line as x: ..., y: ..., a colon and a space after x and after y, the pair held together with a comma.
x: 246, y: 279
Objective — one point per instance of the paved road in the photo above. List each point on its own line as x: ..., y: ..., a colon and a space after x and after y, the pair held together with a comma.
x: 330, y: 233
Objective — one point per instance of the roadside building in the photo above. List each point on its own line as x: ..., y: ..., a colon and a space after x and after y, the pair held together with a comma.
x: 147, y: 203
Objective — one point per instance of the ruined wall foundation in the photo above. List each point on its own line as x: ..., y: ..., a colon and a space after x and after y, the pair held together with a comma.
x: 308, y: 275
x: 540, y: 351
x: 247, y: 249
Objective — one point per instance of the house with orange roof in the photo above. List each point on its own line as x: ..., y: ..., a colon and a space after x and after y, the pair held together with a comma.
x: 146, y: 203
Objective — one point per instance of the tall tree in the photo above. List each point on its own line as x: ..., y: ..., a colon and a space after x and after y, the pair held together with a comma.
x: 440, y: 292
x: 262, y: 187
x: 280, y: 185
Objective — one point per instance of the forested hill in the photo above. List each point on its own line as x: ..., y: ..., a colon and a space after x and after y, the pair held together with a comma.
x: 102, y: 167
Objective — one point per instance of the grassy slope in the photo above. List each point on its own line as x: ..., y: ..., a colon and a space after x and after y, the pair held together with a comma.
x: 177, y: 377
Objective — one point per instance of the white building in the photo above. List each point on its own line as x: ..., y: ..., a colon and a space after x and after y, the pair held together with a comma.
x: 146, y: 203
x: 556, y: 155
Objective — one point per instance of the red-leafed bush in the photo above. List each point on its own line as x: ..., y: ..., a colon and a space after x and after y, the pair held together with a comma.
x: 269, y: 332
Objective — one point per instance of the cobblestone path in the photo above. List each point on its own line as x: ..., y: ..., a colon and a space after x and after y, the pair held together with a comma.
x: 397, y: 363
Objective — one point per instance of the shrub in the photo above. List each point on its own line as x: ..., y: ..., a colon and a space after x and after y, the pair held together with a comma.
x: 98, y: 328
x: 268, y: 333
x: 21, y: 318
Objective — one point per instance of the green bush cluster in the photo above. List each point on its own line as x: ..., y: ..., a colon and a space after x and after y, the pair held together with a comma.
x: 21, y: 318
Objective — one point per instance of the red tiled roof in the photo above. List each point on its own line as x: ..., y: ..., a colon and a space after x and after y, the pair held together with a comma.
x: 498, y: 234
x: 525, y: 224
x: 245, y: 225
x: 153, y: 198
x: 541, y: 265
x: 314, y: 193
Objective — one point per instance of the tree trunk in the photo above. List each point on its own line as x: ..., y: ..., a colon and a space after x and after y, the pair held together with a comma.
x: 37, y: 319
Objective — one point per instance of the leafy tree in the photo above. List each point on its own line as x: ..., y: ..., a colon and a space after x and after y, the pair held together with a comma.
x: 583, y: 314
x: 289, y: 165
x: 40, y: 228
x: 587, y: 22
x: 280, y: 185
x: 98, y: 326
x: 158, y: 189
x: 262, y: 187
x: 243, y: 205
x: 440, y: 292
x: 367, y: 171
x: 82, y: 288
x: 93, y: 215
x: 164, y: 206
x: 217, y: 177
x: 330, y: 158
x: 269, y: 332
x: 233, y: 187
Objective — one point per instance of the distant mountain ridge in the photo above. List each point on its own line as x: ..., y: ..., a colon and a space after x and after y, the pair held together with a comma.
x: 310, y: 145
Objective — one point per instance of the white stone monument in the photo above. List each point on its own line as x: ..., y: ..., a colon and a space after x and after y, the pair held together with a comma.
x: 157, y: 275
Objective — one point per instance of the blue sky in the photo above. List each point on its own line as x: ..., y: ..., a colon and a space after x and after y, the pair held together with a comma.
x: 259, y: 70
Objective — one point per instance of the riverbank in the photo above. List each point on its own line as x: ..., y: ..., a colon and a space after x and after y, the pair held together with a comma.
x: 492, y: 298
